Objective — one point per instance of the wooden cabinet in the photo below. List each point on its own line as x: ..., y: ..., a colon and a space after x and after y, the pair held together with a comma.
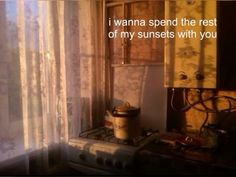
x: 208, y: 63
x: 191, y: 62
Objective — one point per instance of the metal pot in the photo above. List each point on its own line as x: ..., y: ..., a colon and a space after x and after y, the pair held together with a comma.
x: 126, y: 121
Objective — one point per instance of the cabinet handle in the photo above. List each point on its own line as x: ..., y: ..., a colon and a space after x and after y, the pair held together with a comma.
x: 199, y: 76
x: 183, y: 76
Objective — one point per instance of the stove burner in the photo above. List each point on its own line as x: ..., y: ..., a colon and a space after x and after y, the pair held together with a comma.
x: 107, y: 135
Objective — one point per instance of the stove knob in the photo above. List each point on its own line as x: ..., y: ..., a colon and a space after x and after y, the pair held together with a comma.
x: 82, y: 157
x: 118, y: 164
x: 108, y: 162
x: 99, y: 160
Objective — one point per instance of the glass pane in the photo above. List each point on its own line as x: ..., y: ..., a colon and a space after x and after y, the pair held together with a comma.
x: 115, y: 44
x: 146, y: 50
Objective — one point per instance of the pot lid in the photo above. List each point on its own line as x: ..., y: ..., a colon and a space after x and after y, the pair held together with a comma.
x: 126, y: 110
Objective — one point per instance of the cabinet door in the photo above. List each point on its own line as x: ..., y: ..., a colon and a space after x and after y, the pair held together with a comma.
x: 191, y: 62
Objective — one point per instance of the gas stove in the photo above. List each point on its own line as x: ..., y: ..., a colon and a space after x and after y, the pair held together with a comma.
x: 107, y: 135
x: 98, y: 151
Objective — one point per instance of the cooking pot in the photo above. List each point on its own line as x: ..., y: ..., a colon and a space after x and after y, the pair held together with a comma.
x: 126, y: 121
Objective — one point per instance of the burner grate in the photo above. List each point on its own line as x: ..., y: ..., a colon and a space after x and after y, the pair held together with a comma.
x: 107, y: 135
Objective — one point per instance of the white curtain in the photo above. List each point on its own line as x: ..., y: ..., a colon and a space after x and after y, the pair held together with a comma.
x: 51, y: 78
x: 85, y: 65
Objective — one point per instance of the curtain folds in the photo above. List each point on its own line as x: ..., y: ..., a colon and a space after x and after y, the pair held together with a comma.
x: 51, y: 78
x: 86, y: 66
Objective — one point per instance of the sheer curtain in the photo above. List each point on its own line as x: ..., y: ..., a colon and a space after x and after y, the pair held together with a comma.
x: 85, y: 65
x: 51, y: 78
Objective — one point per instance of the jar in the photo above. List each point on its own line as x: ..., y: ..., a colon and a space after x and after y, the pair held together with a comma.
x: 126, y: 121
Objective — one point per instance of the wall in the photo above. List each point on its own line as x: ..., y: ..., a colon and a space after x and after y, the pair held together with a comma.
x: 142, y: 86
x: 191, y: 120
x: 194, y: 119
x: 141, y: 81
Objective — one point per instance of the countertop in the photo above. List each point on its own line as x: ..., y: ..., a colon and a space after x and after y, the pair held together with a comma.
x: 165, y: 157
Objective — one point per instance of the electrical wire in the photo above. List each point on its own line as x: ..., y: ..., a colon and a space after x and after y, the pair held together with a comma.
x: 184, y: 108
x: 209, y: 110
x: 202, y: 101
x: 204, y: 123
x: 189, y: 105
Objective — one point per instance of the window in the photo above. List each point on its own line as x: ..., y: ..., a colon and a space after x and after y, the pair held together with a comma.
x: 136, y: 51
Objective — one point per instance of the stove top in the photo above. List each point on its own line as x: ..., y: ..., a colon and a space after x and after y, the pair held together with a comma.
x: 107, y: 135
x: 98, y: 151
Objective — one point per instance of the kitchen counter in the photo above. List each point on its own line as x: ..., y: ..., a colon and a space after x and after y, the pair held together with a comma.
x: 166, y: 158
